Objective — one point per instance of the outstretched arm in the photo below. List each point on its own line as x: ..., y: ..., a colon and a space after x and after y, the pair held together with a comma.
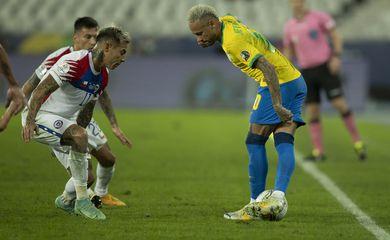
x: 85, y: 115
x: 271, y: 79
x: 48, y: 86
x: 14, y: 93
x: 108, y: 109
x: 5, y: 68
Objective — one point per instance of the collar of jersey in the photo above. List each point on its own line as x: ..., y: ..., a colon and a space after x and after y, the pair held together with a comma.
x: 222, y: 28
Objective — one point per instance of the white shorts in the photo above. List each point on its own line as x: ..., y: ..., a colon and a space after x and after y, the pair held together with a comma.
x: 96, y: 139
x: 50, y: 130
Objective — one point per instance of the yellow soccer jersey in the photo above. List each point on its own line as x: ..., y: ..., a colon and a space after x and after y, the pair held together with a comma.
x: 244, y: 46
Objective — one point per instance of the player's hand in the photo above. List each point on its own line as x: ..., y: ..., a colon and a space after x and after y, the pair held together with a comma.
x: 334, y: 65
x: 284, y: 114
x: 15, y: 95
x: 121, y: 136
x: 28, y: 131
x: 7, y: 116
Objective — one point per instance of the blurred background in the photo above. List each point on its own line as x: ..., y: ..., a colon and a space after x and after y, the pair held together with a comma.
x: 168, y: 70
x: 189, y: 166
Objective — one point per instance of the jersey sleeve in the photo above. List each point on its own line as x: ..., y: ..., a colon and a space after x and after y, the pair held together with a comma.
x: 64, y: 70
x: 41, y: 70
x: 243, y: 51
x: 50, y: 61
x: 326, y: 21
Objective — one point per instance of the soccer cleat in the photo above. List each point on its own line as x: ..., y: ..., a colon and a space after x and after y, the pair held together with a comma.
x: 361, y: 150
x: 97, y: 201
x: 86, y: 208
x: 60, y: 203
x: 112, y: 201
x: 315, y: 156
x: 250, y: 212
x: 270, y: 208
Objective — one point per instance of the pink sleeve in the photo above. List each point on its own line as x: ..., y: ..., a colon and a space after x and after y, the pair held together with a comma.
x: 326, y: 21
x: 286, y: 36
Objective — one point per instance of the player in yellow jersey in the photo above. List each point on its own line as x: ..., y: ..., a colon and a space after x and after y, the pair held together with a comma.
x: 277, y: 108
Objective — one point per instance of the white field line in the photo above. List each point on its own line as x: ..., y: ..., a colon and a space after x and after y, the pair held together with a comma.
x: 343, y: 199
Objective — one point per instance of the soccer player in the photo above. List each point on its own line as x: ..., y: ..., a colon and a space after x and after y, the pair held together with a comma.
x: 73, y: 85
x: 84, y: 37
x: 306, y: 38
x: 277, y: 108
x: 15, y: 97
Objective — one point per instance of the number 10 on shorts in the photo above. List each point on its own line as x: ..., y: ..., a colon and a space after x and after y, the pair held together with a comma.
x: 257, y: 101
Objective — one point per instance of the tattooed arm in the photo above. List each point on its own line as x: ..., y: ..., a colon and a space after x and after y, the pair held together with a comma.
x: 106, y: 104
x: 30, y: 84
x: 48, y: 86
x: 14, y: 94
x: 85, y: 115
x: 271, y: 79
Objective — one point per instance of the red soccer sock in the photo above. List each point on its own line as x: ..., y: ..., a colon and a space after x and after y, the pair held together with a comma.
x: 316, y: 135
x: 349, y: 122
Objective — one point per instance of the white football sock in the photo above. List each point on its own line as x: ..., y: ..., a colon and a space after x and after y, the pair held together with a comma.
x: 252, y: 200
x: 103, y: 177
x: 70, y: 192
x: 79, y: 168
x: 90, y: 192
x: 278, y: 194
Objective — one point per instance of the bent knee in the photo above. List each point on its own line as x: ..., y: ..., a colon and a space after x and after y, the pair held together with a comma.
x: 79, y: 134
x: 108, y: 160
x: 76, y: 137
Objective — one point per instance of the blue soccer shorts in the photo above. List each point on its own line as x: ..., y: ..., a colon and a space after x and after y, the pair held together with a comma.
x: 293, y: 95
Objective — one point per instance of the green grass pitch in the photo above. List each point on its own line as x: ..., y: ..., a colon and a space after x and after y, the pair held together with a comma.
x: 186, y: 169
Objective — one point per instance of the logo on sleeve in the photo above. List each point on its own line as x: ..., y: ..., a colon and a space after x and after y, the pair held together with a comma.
x: 42, y: 69
x: 245, y: 55
x: 63, y: 68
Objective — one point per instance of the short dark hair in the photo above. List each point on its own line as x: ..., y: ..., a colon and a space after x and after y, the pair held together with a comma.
x: 85, y: 22
x: 113, y: 34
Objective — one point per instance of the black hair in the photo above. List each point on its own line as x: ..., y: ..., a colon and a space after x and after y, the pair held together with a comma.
x: 85, y: 22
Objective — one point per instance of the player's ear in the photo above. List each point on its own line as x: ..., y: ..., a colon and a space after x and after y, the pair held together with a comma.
x: 210, y: 23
